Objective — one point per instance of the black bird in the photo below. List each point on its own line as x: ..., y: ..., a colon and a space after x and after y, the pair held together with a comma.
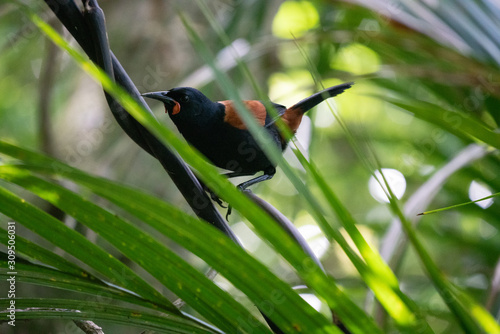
x: 218, y: 132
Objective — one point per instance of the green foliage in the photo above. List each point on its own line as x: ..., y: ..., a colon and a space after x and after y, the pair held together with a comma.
x: 420, y: 100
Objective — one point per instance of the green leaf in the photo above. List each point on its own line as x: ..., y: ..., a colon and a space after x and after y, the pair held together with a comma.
x: 210, y: 245
x: 376, y: 273
x: 40, y: 275
x: 170, y: 269
x: 35, y: 252
x: 75, y: 244
x: 458, y: 123
x: 69, y: 309
x: 457, y: 205
x: 468, y: 313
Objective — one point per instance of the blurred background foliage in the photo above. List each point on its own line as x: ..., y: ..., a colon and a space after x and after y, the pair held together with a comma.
x: 431, y: 55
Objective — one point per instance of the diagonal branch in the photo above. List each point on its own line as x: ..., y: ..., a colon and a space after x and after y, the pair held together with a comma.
x: 84, y: 33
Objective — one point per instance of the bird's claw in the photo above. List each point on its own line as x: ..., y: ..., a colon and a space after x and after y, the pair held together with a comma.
x: 229, y: 210
x: 212, y: 195
x: 229, y: 207
x: 217, y: 199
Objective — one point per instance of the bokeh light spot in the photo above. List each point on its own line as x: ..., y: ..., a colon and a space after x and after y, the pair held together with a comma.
x: 395, y: 179
x: 357, y: 59
x: 478, y: 191
x: 315, y: 238
x: 294, y: 19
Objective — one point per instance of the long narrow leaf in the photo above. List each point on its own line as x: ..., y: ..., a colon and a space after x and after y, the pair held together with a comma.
x: 39, y: 275
x: 472, y: 317
x: 457, y: 205
x: 75, y: 244
x: 455, y: 122
x: 159, y: 261
x: 35, y: 252
x: 85, y: 310
x: 377, y: 274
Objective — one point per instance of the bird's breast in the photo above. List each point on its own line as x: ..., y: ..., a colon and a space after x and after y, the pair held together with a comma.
x: 230, y: 148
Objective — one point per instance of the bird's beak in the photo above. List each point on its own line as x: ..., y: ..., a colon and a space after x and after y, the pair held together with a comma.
x: 171, y: 105
x: 160, y: 96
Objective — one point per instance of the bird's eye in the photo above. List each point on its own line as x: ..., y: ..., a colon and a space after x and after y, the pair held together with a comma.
x: 184, y: 98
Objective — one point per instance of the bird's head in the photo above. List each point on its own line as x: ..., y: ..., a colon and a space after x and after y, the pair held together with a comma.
x: 182, y: 103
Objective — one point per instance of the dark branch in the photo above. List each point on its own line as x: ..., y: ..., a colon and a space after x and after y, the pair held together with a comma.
x: 84, y: 30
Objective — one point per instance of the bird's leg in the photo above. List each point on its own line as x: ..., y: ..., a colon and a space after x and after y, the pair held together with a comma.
x: 213, y: 195
x: 236, y: 174
x: 268, y: 174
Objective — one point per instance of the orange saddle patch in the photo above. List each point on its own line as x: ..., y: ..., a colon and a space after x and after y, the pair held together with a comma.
x: 255, y: 107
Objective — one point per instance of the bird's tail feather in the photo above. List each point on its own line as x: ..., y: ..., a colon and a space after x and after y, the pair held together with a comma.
x: 313, y: 100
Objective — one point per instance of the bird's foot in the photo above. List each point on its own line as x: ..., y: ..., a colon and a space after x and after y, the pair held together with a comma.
x: 229, y: 210
x: 212, y: 195
x: 243, y: 189
x: 215, y: 198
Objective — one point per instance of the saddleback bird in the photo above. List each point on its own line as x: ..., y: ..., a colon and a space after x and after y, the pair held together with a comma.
x: 218, y: 132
